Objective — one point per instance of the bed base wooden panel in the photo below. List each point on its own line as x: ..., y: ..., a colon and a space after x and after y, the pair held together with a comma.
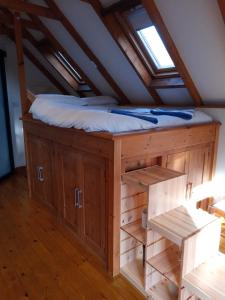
x: 191, y: 150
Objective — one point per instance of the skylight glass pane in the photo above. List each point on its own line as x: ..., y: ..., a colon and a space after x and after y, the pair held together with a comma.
x: 68, y: 66
x: 155, y: 47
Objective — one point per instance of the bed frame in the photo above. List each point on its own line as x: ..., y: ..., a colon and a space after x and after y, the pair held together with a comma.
x: 96, y: 161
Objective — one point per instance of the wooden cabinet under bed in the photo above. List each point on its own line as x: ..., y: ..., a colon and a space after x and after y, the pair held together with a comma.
x: 82, y: 173
x: 82, y: 199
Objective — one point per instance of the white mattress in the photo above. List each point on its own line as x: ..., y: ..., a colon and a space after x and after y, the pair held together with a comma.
x: 70, y: 114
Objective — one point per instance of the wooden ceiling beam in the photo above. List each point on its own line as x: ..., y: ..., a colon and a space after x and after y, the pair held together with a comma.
x: 7, y: 17
x: 25, y: 104
x: 82, y: 44
x: 111, y: 21
x: 120, y: 6
x: 37, y: 63
x: 22, y: 6
x: 53, y: 62
x: 57, y: 46
x: 156, y: 18
x: 168, y: 83
x: 221, y: 4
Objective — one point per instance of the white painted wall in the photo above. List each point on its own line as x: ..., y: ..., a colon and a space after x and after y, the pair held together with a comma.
x: 36, y: 81
x: 198, y: 31
x: 218, y: 114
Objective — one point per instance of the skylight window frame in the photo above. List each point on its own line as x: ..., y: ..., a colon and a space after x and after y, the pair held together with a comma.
x: 66, y: 64
x: 150, y: 53
x: 143, y: 53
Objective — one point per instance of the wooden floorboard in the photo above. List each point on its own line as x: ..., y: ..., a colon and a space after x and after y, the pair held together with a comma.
x: 39, y: 260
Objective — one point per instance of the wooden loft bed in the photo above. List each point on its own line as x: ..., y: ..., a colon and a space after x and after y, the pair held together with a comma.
x: 66, y: 167
x: 78, y: 175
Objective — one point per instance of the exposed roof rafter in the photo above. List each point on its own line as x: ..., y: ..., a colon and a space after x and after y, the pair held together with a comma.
x: 156, y: 18
x: 60, y: 48
x: 20, y: 62
x: 120, y: 6
x: 112, y: 24
x: 10, y: 33
x: 7, y: 18
x: 79, y: 40
x: 222, y: 8
x: 22, y: 6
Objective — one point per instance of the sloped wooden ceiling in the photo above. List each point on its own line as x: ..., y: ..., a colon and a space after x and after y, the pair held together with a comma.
x: 85, y: 31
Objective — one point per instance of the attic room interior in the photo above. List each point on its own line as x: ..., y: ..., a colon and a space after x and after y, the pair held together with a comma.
x: 112, y: 166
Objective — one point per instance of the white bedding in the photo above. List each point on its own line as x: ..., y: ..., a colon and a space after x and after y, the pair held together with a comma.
x: 81, y: 115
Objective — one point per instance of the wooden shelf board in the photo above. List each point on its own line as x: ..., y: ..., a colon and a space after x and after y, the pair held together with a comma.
x: 181, y: 223
x: 207, y: 281
x: 164, y: 290
x: 168, y: 263
x: 149, y: 176
x: 136, y: 230
x: 134, y: 272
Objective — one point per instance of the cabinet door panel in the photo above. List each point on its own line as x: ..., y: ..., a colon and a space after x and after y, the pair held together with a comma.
x: 94, y: 203
x: 71, y: 179
x: 40, y: 156
x: 178, y: 162
x: 196, y: 163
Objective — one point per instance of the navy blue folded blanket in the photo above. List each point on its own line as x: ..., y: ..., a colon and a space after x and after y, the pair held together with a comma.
x: 186, y: 114
x: 140, y: 114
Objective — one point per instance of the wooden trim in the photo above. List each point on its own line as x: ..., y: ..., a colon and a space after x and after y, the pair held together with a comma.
x: 7, y: 18
x: 29, y: 24
x: 171, y: 48
x: 59, y: 47
x: 168, y: 83
x: 48, y: 53
x: 22, y: 6
x: 120, y: 6
x: 113, y: 263
x: 82, y: 44
x: 40, y: 66
x: 25, y: 104
x: 114, y: 27
x: 141, y: 49
x: 221, y: 4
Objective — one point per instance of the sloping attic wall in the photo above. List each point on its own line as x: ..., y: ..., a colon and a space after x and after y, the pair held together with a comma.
x: 93, y: 31
x: 196, y: 27
x: 198, y: 31
x: 36, y: 81
x: 90, y: 27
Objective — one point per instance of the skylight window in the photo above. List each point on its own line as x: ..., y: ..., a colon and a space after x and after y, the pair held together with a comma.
x: 155, y: 47
x: 68, y: 66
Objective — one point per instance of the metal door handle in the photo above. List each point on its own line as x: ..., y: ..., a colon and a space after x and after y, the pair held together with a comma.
x: 189, y: 190
x: 76, y: 203
x: 41, y: 169
x: 40, y: 174
x: 80, y: 202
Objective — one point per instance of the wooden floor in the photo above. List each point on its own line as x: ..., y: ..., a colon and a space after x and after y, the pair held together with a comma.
x: 39, y: 260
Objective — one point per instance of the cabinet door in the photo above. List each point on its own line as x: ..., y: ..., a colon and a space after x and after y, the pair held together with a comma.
x: 94, y: 203
x: 71, y: 181
x: 197, y: 163
x: 40, y: 155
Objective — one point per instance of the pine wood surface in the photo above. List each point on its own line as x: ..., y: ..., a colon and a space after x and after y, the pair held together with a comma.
x: 181, y: 223
x: 40, y: 260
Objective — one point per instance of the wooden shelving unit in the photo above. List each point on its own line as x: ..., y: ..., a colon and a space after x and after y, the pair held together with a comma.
x: 208, y: 280
x: 181, y: 223
x: 135, y: 230
x: 164, y: 290
x: 134, y: 271
x: 166, y: 261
